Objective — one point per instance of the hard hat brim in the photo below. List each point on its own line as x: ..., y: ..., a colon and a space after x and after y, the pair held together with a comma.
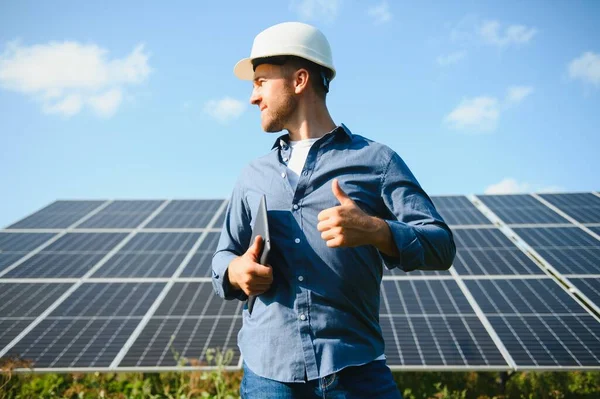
x: 244, y: 70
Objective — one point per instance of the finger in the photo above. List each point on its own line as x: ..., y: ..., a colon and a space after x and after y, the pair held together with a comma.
x: 331, y: 234
x: 261, y: 271
x: 324, y: 214
x: 324, y: 225
x: 255, y: 248
x: 339, y: 193
x: 335, y: 242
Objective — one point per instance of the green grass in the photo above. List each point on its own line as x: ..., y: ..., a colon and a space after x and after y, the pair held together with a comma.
x: 222, y: 384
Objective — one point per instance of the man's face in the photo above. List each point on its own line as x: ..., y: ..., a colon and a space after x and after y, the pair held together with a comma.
x: 274, y: 95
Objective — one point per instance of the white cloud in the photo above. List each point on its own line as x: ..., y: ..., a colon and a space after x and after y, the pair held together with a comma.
x: 509, y: 185
x: 452, y: 58
x: 68, y: 106
x: 586, y: 68
x: 516, y: 94
x: 479, y: 114
x: 381, y: 13
x: 106, y: 104
x: 316, y: 9
x: 66, y: 76
x: 491, y: 33
x: 225, y: 109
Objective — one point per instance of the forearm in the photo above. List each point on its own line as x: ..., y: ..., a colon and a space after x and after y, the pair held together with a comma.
x: 427, y: 247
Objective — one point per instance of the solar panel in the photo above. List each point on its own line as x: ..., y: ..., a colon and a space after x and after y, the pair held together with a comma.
x: 490, y: 252
x: 89, y: 328
x: 569, y: 249
x: 521, y: 209
x: 590, y: 287
x: 200, y: 264
x: 72, y: 255
x: 189, y: 321
x: 58, y: 215
x: 28, y: 300
x: 539, y: 322
x: 149, y: 255
x: 583, y: 207
x: 186, y: 214
x: 141, y: 298
x: 14, y: 246
x: 430, y: 323
x: 458, y: 210
x: 121, y: 214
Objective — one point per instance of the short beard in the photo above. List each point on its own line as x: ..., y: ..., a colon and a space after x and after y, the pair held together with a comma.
x: 282, y: 114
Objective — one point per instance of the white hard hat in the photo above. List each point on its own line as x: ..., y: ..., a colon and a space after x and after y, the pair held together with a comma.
x: 289, y: 38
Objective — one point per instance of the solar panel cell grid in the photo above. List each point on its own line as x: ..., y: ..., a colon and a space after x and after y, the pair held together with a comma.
x: 72, y: 255
x: 109, y: 300
x: 431, y: 323
x: 200, y: 263
x: 583, y: 207
x: 458, y: 210
x: 90, y: 327
x: 590, y: 287
x: 568, y: 249
x: 182, y: 341
x: 539, y: 323
x: 58, y: 215
x: 521, y: 209
x: 28, y: 300
x: 186, y: 214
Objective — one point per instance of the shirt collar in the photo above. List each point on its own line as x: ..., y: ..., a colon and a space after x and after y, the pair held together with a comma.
x: 340, y: 132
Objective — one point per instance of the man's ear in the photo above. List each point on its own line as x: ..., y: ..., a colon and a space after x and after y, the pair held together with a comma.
x: 301, y: 79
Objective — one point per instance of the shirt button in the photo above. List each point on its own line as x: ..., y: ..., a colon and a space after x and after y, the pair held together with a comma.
x: 302, y: 317
x: 297, y: 241
x: 300, y: 278
x: 295, y: 206
x: 282, y: 174
x: 285, y: 159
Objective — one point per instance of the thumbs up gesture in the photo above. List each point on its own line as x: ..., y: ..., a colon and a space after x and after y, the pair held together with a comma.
x: 346, y: 225
x: 247, y: 274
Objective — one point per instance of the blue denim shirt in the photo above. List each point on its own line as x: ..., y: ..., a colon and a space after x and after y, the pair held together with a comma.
x: 322, y: 312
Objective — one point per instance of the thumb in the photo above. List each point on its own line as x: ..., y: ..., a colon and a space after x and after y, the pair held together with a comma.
x: 255, y: 248
x: 339, y: 193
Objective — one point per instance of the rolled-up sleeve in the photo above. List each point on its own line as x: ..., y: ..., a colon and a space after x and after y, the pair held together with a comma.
x: 423, y: 239
x: 233, y: 242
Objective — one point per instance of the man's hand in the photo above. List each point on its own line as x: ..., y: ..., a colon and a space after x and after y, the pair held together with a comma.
x: 247, y: 274
x: 347, y: 225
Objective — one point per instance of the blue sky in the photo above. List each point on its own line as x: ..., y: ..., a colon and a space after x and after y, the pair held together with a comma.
x: 130, y: 100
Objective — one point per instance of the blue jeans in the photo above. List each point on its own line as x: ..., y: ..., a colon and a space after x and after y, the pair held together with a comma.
x: 372, y: 380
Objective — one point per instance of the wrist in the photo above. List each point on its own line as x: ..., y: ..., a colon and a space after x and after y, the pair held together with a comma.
x: 379, y: 231
x: 231, y: 276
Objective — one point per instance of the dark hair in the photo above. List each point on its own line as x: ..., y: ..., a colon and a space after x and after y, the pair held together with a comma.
x: 320, y: 76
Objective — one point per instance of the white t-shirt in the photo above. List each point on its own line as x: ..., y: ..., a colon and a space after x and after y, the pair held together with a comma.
x: 298, y: 153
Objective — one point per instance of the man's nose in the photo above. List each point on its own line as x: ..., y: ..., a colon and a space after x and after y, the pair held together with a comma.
x: 254, y: 98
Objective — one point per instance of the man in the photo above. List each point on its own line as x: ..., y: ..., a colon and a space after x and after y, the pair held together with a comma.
x: 340, y: 205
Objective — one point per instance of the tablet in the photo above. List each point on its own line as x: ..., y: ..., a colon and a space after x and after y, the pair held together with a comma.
x: 261, y: 227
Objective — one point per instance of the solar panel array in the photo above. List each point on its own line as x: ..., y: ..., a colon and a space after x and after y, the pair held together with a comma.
x: 125, y: 285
